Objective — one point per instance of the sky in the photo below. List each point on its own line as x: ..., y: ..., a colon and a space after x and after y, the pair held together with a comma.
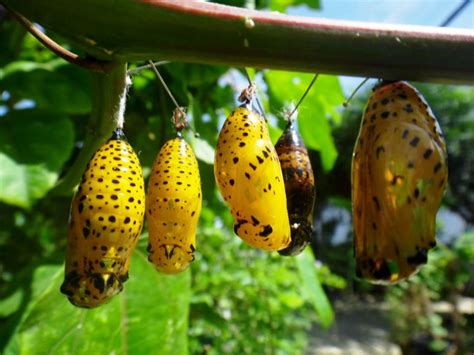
x: 413, y: 12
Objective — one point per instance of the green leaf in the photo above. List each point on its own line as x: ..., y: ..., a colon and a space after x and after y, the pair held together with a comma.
x: 202, y: 149
x: 316, y: 111
x: 10, y: 304
x: 149, y: 315
x: 312, y: 288
x: 281, y: 5
x: 33, y: 146
x: 56, y: 85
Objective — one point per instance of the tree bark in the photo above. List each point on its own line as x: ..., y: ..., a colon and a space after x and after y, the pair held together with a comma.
x: 189, y: 31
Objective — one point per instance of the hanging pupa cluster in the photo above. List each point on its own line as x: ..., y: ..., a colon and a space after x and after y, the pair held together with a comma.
x: 399, y: 174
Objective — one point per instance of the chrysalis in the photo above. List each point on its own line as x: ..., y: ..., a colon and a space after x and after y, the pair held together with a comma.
x: 250, y: 179
x: 106, y: 219
x: 299, y: 185
x: 399, y: 175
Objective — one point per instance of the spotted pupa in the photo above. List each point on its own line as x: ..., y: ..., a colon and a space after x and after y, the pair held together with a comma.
x: 173, y: 206
x: 299, y: 186
x: 106, y: 219
x: 249, y: 177
x: 399, y: 174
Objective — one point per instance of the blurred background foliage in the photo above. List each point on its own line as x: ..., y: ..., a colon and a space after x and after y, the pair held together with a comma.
x: 234, y: 299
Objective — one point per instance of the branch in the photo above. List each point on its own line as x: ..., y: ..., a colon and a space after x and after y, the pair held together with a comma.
x: 190, y: 31
x: 107, y: 89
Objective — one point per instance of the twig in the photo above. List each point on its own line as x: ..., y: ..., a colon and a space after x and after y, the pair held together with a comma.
x: 86, y: 63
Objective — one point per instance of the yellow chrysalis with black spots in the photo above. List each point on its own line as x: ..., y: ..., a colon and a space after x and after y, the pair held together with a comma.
x: 299, y: 186
x: 106, y: 219
x: 173, y: 207
x: 250, y: 179
x: 399, y: 174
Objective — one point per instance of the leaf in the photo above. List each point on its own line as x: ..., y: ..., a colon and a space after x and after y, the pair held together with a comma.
x: 56, y: 85
x: 313, y: 117
x: 34, y: 145
x: 202, y: 149
x: 312, y: 288
x: 281, y: 5
x: 150, y: 315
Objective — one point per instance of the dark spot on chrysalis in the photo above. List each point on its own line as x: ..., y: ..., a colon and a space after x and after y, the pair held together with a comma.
x: 419, y: 258
x: 382, y: 272
x: 437, y: 167
x: 235, y: 160
x: 385, y: 114
x: 410, y: 165
x: 414, y: 141
x: 232, y: 182
x: 99, y: 197
x: 405, y: 133
x: 85, y: 232
x: 441, y: 183
x: 99, y: 283
x: 385, y: 101
x: 379, y: 150
x: 376, y: 201
x: 408, y: 108
x: 81, y: 207
x: 252, y: 166
x: 247, y: 175
x: 112, y: 219
x: 267, y: 230
x: 242, y: 144
x: 126, y: 220
x: 260, y: 160
x: 427, y: 153
x: 238, y: 224
x: 255, y: 221
x: 416, y: 193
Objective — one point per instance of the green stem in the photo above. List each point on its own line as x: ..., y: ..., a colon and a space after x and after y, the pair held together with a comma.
x: 106, y: 91
x: 203, y: 32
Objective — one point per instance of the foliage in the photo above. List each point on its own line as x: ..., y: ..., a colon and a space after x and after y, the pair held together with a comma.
x: 50, y: 324
x: 249, y: 301
x: 275, y: 5
x: 446, y: 276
